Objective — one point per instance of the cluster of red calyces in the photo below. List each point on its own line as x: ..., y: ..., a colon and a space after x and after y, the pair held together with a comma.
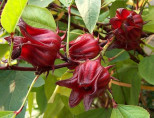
x: 127, y: 28
x: 38, y: 46
x: 89, y: 80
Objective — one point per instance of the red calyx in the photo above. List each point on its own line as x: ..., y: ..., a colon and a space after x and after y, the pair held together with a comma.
x: 84, y: 47
x: 38, y: 46
x: 127, y: 27
x: 89, y: 79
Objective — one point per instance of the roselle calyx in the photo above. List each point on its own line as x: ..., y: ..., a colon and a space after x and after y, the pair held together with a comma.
x: 89, y: 80
x: 127, y: 28
x: 38, y: 46
x: 84, y: 47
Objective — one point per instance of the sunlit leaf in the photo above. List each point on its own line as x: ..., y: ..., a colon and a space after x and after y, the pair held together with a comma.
x: 89, y: 10
x: 11, y: 14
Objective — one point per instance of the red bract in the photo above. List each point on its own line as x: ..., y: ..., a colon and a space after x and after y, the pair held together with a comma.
x: 38, y: 46
x: 84, y: 47
x: 127, y: 27
x: 89, y: 79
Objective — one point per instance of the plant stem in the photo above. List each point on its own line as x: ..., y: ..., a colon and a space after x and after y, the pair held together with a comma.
x: 75, y: 33
x: 107, y: 45
x: 74, y: 25
x: 150, y: 39
x: 3, y: 2
x: 31, y: 86
x: 51, y: 100
x: 113, y: 101
x: 110, y: 59
x: 137, y: 5
x: 151, y: 47
x: 11, y: 48
x: 105, y: 5
x: 33, y: 68
x: 68, y: 31
x: 3, y: 34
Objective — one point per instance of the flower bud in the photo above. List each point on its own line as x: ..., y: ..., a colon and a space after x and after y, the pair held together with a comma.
x: 89, y: 79
x: 84, y: 47
x: 127, y: 28
x: 38, y: 46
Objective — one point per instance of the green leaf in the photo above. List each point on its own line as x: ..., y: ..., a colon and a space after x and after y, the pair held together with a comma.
x: 3, y: 49
x: 59, y: 72
x: 50, y: 85
x: 61, y: 90
x: 149, y: 27
x: 129, y: 111
x: 30, y: 102
x: 41, y: 99
x: 115, y: 5
x: 75, y: 33
x: 38, y: 17
x: 89, y: 10
x: 67, y: 3
x: 65, y: 112
x: 40, y: 3
x: 7, y: 114
x: 103, y: 16
x: 128, y: 73
x: 11, y: 14
x: 146, y: 67
x: 76, y: 110
x: 96, y: 113
x: 114, y: 52
x: 53, y: 109
x: 13, y: 88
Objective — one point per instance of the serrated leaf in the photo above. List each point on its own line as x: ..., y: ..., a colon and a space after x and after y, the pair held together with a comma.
x: 13, y: 88
x: 11, y: 14
x: 7, y: 114
x: 40, y: 3
x: 3, y: 49
x: 39, y: 17
x: 89, y: 10
x: 129, y: 111
x: 146, y: 67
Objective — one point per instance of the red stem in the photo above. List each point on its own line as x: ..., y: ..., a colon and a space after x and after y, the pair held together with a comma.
x: 137, y: 5
x: 33, y: 68
x: 17, y: 112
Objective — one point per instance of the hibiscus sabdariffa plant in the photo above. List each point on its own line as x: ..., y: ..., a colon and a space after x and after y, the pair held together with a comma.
x: 98, y: 58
